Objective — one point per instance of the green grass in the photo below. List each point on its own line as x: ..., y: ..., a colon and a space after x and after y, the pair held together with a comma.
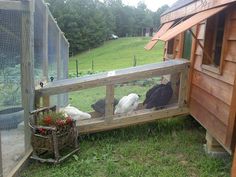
x: 117, y: 54
x: 167, y: 148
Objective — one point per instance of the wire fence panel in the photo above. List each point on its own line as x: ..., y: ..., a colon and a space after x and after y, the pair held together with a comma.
x: 11, y: 111
x: 38, y: 43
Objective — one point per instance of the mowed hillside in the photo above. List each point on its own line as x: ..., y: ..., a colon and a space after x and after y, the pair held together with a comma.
x: 116, y: 54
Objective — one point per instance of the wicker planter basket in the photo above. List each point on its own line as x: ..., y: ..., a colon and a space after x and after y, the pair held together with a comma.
x: 48, y: 147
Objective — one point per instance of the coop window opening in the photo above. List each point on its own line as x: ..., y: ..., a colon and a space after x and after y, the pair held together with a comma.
x: 213, y: 44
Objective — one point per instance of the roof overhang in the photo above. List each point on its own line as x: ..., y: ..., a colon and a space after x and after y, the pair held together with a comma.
x: 165, y: 27
x: 193, y: 8
x: 190, y: 22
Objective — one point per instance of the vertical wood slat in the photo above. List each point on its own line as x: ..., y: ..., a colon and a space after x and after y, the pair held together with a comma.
x: 59, y: 64
x: 27, y: 67
x: 45, y: 41
x: 109, y: 109
x: 233, y: 169
x: 183, y: 87
x: 1, y: 169
x: 46, y: 99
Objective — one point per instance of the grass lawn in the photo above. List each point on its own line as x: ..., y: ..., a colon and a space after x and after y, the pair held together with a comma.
x: 166, y: 148
x: 117, y: 54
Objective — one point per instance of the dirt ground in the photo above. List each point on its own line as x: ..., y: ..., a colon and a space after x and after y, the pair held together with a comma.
x: 12, y: 148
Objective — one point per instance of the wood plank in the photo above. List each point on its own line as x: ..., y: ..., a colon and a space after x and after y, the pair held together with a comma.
x: 211, y: 103
x: 231, y: 133
x: 13, y: 5
x: 45, y: 40
x: 232, y: 30
x: 233, y: 169
x: 109, y: 110
x: 136, y: 117
x: 208, y: 121
x: 21, y: 165
x: 193, y: 8
x: 27, y: 67
x: 213, y: 86
x: 183, y: 88
x: 233, y: 16
x: 199, y: 50
x: 228, y: 73
x: 1, y: 169
x: 113, y: 77
x: 201, y: 33
x: 231, y: 51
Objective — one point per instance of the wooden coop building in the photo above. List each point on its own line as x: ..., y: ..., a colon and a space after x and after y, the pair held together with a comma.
x: 204, y: 32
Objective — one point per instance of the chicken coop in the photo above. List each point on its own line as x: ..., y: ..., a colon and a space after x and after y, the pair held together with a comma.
x: 33, y: 49
x: 204, y: 33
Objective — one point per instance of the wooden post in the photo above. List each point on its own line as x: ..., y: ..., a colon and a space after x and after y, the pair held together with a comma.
x: 183, y: 87
x: 212, y: 145
x: 77, y: 68
x: 109, y: 109
x: 46, y: 99
x: 233, y: 170
x: 59, y: 64
x: 1, y: 169
x: 27, y: 67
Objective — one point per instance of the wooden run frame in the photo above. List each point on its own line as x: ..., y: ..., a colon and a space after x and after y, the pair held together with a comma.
x: 27, y: 7
x: 109, y: 79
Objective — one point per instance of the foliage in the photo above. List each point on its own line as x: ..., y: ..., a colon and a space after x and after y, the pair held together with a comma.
x: 164, y: 148
x: 87, y: 24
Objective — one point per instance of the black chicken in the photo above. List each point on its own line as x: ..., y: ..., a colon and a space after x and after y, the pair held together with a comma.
x: 158, y: 96
x: 99, y: 106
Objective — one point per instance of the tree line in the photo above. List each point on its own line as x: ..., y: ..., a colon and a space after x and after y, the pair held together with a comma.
x: 88, y: 23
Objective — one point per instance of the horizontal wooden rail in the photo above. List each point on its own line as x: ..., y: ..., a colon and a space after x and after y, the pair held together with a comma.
x: 113, y: 77
x: 137, y: 117
x: 14, y: 5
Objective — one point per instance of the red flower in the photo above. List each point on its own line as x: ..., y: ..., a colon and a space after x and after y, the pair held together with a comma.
x: 42, y: 131
x: 69, y: 120
x: 60, y: 122
x: 47, y: 120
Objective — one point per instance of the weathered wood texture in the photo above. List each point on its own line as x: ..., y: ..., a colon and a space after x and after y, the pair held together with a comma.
x: 27, y: 67
x: 195, y: 7
x: 1, y: 169
x: 14, y: 5
x: 233, y: 170
x: 212, y: 94
x: 109, y: 109
x: 114, y: 77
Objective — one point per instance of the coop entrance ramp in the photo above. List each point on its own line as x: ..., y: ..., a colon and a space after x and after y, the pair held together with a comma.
x: 116, y: 81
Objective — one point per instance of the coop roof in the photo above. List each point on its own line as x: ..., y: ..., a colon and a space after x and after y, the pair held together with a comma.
x: 178, y: 4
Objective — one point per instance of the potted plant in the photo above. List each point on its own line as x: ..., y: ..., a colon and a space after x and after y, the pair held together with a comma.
x: 51, y: 132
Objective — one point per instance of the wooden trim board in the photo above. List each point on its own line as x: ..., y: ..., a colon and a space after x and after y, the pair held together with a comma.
x: 137, y: 117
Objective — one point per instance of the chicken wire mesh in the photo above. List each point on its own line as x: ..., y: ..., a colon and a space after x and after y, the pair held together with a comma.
x: 11, y: 111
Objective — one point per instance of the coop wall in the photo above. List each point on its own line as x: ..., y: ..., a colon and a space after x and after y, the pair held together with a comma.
x: 212, y: 95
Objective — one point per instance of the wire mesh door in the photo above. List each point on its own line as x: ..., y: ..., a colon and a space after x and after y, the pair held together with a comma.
x: 11, y: 111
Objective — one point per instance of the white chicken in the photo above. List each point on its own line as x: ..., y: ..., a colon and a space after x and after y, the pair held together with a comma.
x: 75, y: 113
x: 127, y: 104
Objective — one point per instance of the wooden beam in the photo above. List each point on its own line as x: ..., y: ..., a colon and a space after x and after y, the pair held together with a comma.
x: 119, y: 76
x: 137, y: 117
x: 193, y: 8
x: 21, y: 165
x: 109, y: 109
x: 14, y: 5
x: 27, y: 67
x: 45, y: 41
x: 1, y: 169
x: 183, y: 87
x: 233, y: 170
